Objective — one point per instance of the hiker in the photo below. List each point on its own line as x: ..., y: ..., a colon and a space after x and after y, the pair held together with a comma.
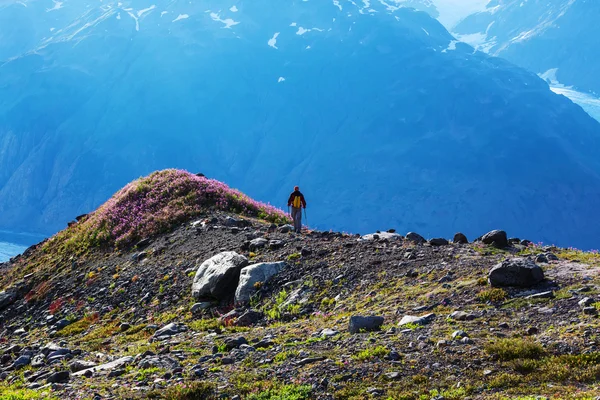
x: 297, y: 202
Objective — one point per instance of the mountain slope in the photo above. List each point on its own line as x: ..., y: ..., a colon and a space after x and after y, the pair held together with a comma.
x: 376, y: 112
x: 342, y: 317
x: 541, y: 36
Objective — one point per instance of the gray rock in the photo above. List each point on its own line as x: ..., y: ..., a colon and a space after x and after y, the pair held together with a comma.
x: 252, y: 274
x: 415, y: 238
x: 234, y: 343
x: 110, y: 366
x: 466, y: 340
x: 21, y: 362
x: 590, y: 311
x: 80, y: 365
x: 162, y: 362
x: 124, y: 327
x: 328, y: 332
x: 38, y: 361
x: 7, y: 298
x: 460, y: 238
x: 249, y: 318
x: 370, y: 323
x: 541, y: 258
x: 379, y: 236
x: 59, y: 377
x: 275, y: 244
x: 63, y: 323
x: 198, y: 307
x: 170, y: 330
x: 393, y: 375
x: 459, y: 334
x: 258, y: 243
x: 438, y: 242
x: 552, y: 257
x: 586, y: 301
x: 218, y: 276
x: 542, y: 295
x: 410, y: 319
x: 462, y: 316
x: 521, y: 272
x: 286, y: 228
x: 310, y: 360
x: 496, y: 238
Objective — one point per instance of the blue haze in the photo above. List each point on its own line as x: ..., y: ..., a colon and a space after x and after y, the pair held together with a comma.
x: 376, y: 112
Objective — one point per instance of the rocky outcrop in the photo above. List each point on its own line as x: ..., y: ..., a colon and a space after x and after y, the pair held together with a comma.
x: 521, y: 272
x: 496, y: 238
x: 218, y: 276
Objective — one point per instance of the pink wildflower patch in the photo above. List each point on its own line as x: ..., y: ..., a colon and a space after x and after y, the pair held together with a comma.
x: 157, y: 203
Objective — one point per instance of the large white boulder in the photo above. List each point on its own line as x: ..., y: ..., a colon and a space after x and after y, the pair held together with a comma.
x: 218, y: 276
x: 251, y: 275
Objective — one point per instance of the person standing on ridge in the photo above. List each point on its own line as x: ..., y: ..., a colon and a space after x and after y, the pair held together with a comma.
x: 297, y: 202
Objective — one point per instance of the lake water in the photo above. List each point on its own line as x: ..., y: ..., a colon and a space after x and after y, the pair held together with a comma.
x: 8, y: 250
x: 12, y: 243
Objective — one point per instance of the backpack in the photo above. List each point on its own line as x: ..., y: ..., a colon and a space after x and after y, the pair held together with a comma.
x: 297, y: 203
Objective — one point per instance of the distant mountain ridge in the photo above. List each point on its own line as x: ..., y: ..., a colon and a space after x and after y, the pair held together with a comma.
x: 380, y: 115
x: 541, y: 36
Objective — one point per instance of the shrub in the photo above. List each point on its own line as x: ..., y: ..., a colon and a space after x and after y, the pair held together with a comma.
x: 511, y: 349
x: 495, y: 295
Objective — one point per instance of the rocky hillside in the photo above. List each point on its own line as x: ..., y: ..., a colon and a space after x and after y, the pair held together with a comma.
x: 375, y: 110
x: 216, y: 302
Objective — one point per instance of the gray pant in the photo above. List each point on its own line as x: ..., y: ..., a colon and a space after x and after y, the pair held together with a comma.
x: 297, y: 217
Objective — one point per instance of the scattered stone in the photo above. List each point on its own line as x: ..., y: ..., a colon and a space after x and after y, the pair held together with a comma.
x: 258, y: 243
x: 459, y: 334
x: 249, y: 318
x: 460, y: 238
x: 310, y: 360
x: 409, y: 319
x: 328, y: 332
x: 21, y: 362
x: 116, y: 373
x: 586, y: 301
x: 80, y: 365
x: 504, y: 325
x: 124, y: 327
x: 466, y: 340
x: 393, y: 375
x: 371, y: 323
x: 462, y: 316
x: 542, y: 295
x: 59, y: 377
x: 541, y: 258
x: 199, y: 307
x: 169, y: 330
x: 438, y: 242
x: 496, y: 238
x: 590, y: 311
x: 234, y: 343
x: 379, y: 236
x: 521, y: 272
x: 415, y: 238
x: 275, y: 244
x: 7, y: 298
x: 551, y: 257
x: 532, y: 330
x: 286, y: 228
x: 113, y: 365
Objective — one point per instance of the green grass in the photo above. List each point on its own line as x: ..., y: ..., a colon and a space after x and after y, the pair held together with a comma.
x: 288, y: 392
x: 16, y: 392
x: 494, y: 295
x: 511, y: 349
x: 369, y: 354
